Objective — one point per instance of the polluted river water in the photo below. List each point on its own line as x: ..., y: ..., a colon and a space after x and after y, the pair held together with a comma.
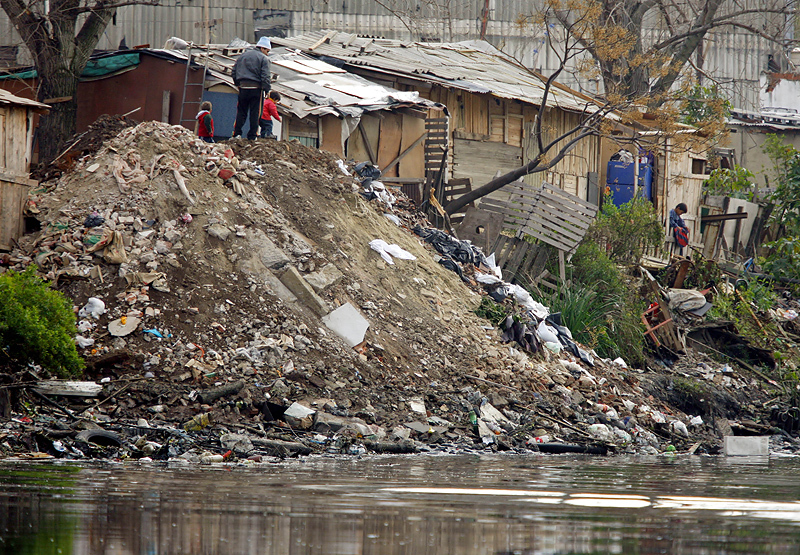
x: 387, y: 505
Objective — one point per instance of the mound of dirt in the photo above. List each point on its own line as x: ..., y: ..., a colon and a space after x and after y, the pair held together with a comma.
x: 217, y: 264
x: 106, y: 127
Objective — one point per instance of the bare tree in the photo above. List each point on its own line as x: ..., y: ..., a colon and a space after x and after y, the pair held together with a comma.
x: 642, y: 47
x: 609, y: 39
x: 428, y: 20
x: 61, y: 36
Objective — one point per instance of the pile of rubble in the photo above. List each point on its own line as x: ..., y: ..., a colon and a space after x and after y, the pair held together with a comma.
x: 230, y: 306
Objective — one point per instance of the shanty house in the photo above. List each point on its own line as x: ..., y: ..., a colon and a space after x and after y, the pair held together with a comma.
x: 491, y: 101
x: 321, y: 103
x: 16, y: 137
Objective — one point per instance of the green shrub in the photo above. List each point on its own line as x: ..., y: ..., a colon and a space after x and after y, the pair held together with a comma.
x: 37, y: 324
x: 627, y: 231
x: 737, y: 182
x: 590, y: 265
x: 492, y: 311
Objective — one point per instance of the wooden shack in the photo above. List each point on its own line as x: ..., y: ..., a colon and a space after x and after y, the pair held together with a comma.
x: 491, y: 101
x: 16, y: 140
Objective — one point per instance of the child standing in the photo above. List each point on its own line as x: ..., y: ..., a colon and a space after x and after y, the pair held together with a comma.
x: 205, y: 123
x: 270, y: 111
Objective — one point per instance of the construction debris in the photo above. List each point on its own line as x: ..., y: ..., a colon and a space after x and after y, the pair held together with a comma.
x: 229, y: 321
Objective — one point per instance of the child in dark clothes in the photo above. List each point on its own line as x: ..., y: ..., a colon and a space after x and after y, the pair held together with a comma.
x: 205, y: 123
x: 270, y: 111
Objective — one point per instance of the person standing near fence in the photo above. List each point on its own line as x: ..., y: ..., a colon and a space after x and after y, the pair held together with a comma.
x: 678, y: 228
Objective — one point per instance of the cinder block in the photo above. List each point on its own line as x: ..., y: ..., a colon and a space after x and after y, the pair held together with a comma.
x: 746, y: 446
x: 295, y: 282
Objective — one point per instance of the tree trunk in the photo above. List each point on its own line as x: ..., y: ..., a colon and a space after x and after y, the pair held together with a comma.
x: 59, y: 124
x: 61, y: 55
x: 495, y: 184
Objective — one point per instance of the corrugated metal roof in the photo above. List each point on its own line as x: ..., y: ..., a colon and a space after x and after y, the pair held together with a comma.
x: 311, y: 86
x: 474, y: 66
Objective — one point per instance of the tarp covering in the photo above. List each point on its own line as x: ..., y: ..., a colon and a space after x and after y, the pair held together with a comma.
x: 96, y: 67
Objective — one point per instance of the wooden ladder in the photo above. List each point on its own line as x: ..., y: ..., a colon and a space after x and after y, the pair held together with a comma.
x: 185, y: 119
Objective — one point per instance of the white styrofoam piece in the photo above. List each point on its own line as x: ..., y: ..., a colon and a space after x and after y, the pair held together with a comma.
x: 348, y: 323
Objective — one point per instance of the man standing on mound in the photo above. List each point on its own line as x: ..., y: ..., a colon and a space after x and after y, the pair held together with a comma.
x: 251, y: 74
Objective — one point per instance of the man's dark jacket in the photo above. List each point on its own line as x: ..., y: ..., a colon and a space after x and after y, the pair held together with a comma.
x: 252, y: 70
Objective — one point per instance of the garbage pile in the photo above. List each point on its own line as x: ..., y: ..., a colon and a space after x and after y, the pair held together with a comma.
x: 235, y: 302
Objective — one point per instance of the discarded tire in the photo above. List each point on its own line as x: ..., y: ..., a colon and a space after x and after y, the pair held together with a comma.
x: 99, y: 437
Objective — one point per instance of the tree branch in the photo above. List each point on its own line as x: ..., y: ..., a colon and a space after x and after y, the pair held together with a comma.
x: 114, y: 5
x: 717, y: 22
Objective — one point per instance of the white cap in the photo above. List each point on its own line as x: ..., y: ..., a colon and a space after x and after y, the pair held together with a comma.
x: 264, y: 42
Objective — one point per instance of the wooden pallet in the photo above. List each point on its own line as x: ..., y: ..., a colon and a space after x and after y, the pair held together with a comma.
x: 521, y: 260
x: 558, y: 218
x: 548, y: 214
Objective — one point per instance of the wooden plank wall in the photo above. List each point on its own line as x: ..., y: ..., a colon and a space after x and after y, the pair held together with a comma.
x: 14, y: 136
x: 413, y: 163
x: 331, y: 131
x: 13, y: 196
x: 684, y: 186
x: 571, y: 174
x: 490, y: 121
x: 389, y: 139
x: 480, y: 160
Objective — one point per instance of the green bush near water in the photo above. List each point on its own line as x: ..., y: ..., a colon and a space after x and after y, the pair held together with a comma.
x: 598, y: 306
x: 37, y: 324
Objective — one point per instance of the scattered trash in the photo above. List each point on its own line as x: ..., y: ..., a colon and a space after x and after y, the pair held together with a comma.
x: 94, y: 307
x: 84, y: 342
x: 123, y: 326
x: 198, y: 422
x: 394, y: 219
x: 93, y: 220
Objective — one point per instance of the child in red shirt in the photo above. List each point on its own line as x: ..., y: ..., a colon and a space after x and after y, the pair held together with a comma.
x: 205, y: 123
x: 270, y: 111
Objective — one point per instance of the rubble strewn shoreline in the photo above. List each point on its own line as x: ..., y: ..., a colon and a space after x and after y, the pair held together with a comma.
x: 214, y: 265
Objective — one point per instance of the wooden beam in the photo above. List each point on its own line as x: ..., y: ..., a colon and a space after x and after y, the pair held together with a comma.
x: 165, y: 108
x: 394, y: 162
x: 370, y: 151
x: 323, y: 40
x: 57, y: 100
x: 403, y: 180
x: 723, y: 217
x: 68, y: 388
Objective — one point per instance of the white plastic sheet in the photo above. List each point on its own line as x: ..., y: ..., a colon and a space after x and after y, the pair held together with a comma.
x: 388, y: 251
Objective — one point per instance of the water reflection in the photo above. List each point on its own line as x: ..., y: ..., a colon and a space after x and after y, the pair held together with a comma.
x: 405, y: 505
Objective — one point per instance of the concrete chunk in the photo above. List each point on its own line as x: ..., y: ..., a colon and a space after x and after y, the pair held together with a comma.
x: 267, y: 252
x: 238, y: 443
x: 324, y: 277
x: 295, y: 282
x: 299, y: 416
x: 348, y: 323
x: 277, y: 287
x: 744, y: 446
x: 326, y: 423
x: 219, y: 231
